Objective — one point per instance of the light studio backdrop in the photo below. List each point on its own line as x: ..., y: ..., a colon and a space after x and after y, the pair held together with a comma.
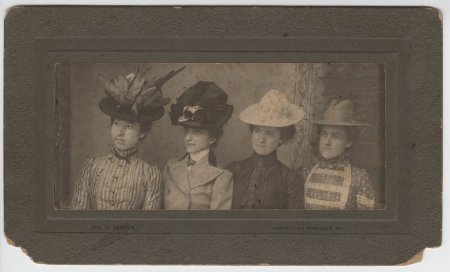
x: 83, y: 131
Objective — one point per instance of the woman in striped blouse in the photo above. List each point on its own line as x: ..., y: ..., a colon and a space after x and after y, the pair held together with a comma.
x: 121, y: 180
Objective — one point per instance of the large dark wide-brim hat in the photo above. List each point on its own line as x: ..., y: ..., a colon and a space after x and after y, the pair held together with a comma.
x: 203, y: 105
x: 124, y: 112
x: 132, y: 98
x: 339, y: 113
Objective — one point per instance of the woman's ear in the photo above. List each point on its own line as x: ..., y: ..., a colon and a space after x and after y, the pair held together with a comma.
x: 142, y: 135
x: 212, y: 141
x: 348, y: 145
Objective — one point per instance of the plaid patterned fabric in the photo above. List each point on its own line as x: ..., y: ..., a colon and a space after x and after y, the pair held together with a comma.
x: 111, y: 183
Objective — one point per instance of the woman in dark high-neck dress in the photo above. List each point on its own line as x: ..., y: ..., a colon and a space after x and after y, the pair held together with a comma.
x: 262, y: 181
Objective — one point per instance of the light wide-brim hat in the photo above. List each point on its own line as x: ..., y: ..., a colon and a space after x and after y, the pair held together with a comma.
x: 339, y: 113
x: 274, y: 110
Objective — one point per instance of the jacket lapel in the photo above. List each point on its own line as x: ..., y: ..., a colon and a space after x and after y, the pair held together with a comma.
x: 199, y: 174
x: 177, y: 173
x: 202, y: 172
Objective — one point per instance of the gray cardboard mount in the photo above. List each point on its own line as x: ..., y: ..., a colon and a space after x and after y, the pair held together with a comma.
x: 407, y: 40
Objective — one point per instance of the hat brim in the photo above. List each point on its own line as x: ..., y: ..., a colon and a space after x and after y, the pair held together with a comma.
x: 224, y: 117
x: 331, y: 123
x: 110, y: 107
x: 254, y: 115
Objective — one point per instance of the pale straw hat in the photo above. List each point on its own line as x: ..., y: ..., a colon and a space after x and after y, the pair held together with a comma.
x: 274, y: 110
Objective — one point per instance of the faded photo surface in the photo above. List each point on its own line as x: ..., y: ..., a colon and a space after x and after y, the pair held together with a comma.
x: 182, y: 136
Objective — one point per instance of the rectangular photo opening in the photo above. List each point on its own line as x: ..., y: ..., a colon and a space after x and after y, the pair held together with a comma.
x: 217, y: 136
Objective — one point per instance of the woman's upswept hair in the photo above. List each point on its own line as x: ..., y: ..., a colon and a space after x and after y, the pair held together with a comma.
x: 214, y: 133
x: 350, y: 132
x: 286, y: 133
x: 145, y: 126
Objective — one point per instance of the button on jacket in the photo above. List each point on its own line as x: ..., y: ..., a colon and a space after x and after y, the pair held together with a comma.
x: 199, y: 186
x: 110, y: 183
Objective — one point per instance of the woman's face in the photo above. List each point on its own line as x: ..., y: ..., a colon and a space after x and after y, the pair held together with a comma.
x: 196, y: 139
x: 265, y: 140
x: 125, y: 135
x: 333, y: 142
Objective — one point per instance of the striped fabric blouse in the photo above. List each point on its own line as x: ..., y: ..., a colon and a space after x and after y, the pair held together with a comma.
x: 110, y: 183
x: 263, y: 182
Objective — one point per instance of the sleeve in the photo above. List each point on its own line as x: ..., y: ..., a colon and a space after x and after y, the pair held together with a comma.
x: 296, y: 185
x: 164, y: 179
x: 365, y: 194
x: 80, y: 198
x: 153, y: 189
x: 304, y: 172
x: 222, y: 192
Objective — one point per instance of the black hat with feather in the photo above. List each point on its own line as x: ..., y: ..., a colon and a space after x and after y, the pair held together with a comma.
x: 132, y: 98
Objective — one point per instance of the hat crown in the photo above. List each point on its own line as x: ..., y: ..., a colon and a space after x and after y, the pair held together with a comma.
x: 202, y: 105
x: 275, y: 102
x: 339, y: 111
x: 273, y: 110
x: 204, y: 94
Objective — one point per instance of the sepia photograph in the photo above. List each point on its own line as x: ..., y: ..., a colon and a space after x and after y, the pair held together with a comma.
x: 223, y: 135
x: 186, y: 136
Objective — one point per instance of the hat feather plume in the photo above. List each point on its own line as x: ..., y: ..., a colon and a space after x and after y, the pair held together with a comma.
x: 151, y: 94
x: 136, y: 91
x: 115, y: 88
x: 135, y: 86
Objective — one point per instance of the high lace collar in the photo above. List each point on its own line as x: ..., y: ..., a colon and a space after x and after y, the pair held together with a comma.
x: 126, y: 155
x: 199, y: 155
x: 337, y: 163
x: 264, y: 161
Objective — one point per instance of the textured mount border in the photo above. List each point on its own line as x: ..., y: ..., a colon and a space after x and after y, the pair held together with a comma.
x: 408, y: 40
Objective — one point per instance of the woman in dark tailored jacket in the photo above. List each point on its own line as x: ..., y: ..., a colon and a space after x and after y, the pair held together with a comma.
x: 262, y: 181
x: 195, y: 181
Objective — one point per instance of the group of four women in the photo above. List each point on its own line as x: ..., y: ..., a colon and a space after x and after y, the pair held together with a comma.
x: 121, y: 180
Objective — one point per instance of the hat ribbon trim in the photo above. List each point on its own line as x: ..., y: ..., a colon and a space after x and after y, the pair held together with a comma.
x: 188, y: 113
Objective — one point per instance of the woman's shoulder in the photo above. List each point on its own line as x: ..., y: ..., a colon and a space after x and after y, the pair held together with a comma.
x: 358, y: 170
x: 289, y: 173
x: 94, y: 163
x: 98, y: 159
x: 359, y: 174
x: 175, y: 159
x: 224, y: 174
x: 91, y: 161
x: 236, y: 165
x: 147, y: 166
